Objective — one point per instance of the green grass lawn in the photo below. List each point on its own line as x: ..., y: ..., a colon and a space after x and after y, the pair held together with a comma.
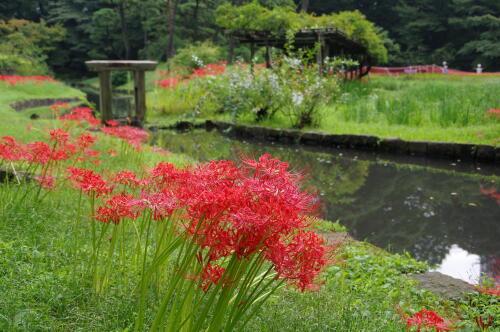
x: 17, y: 121
x: 44, y: 286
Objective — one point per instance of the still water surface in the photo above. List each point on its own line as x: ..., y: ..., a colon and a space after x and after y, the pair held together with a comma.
x: 449, y: 219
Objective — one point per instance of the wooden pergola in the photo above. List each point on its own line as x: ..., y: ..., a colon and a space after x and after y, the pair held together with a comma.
x: 104, y: 69
x: 333, y: 43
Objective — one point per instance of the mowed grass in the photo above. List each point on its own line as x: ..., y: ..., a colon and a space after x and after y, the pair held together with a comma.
x: 14, y: 123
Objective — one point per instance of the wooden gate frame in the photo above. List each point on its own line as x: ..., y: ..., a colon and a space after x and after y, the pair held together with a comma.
x: 104, y: 69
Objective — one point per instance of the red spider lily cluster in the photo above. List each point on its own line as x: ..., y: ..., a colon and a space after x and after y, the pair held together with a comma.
x: 226, y: 210
x: 492, y: 114
x: 49, y: 157
x: 81, y: 114
x: 132, y: 135
x: 494, y: 290
x: 211, y: 69
x: 169, y: 82
x: 14, y: 79
x: 429, y: 320
x: 491, y: 286
x: 491, y: 192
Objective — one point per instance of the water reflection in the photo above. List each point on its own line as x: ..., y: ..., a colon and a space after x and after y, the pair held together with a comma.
x: 460, y: 264
x: 446, y: 218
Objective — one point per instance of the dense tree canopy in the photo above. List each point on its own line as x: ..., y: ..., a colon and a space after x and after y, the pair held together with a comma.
x: 461, y: 32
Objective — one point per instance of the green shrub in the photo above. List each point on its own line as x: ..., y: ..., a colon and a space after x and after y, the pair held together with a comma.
x: 119, y: 78
x: 196, y: 56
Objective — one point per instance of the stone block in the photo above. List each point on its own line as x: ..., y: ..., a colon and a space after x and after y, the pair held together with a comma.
x: 312, y: 138
x: 442, y: 150
x: 417, y: 148
x: 466, y: 152
x: 485, y: 153
x: 394, y: 144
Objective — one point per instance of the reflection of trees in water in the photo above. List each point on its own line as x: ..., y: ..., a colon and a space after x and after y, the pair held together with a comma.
x: 393, y: 207
x: 336, y: 179
x: 424, y: 213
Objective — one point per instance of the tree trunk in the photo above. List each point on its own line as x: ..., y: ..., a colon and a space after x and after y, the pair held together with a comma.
x: 195, y: 19
x: 171, y: 28
x: 304, y: 5
x: 126, y: 44
x: 230, y: 51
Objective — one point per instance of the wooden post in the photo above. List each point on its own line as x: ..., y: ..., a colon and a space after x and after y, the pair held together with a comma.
x: 230, y: 51
x: 252, y: 54
x: 269, y: 63
x: 140, y: 95
x: 105, y: 98
x: 319, y: 54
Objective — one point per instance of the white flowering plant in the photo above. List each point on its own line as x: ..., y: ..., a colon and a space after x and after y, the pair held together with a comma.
x: 292, y: 87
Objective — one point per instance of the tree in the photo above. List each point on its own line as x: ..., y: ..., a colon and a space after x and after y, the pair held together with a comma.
x: 24, y: 45
x: 478, y: 33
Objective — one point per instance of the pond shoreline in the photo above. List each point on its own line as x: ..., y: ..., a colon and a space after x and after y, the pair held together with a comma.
x: 423, y: 153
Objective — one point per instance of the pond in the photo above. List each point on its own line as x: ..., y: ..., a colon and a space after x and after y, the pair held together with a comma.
x: 449, y: 218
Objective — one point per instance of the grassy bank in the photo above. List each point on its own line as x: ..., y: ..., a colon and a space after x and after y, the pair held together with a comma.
x: 45, y: 286
x: 420, y: 107
x: 14, y: 123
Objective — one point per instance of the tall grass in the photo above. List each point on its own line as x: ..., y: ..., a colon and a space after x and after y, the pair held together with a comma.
x: 417, y: 102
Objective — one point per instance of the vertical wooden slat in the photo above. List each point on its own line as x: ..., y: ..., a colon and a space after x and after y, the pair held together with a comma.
x: 269, y: 63
x: 140, y: 95
x: 319, y: 54
x: 105, y: 97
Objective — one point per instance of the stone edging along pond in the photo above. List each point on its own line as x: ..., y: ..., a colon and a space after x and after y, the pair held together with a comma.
x: 32, y: 103
x: 454, y: 151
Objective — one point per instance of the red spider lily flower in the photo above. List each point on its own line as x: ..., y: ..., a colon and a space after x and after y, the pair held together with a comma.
x: 493, y: 113
x: 209, y: 70
x: 301, y: 260
x: 69, y: 149
x: 492, y: 192
x: 119, y: 207
x: 161, y: 204
x: 29, y: 127
x: 39, y: 153
x: 112, y: 153
x: 427, y: 319
x: 257, y: 207
x: 88, y: 182
x: 490, y: 289
x: 126, y: 178
x: 85, y: 140
x: 11, y: 150
x: 59, y: 155
x: 487, y: 191
x: 14, y: 79
x: 92, y: 153
x: 168, y: 83
x: 46, y: 181
x: 161, y: 151
x: 112, y: 123
x: 81, y: 114
x: 59, y: 135
x: 212, y: 274
x: 133, y: 136
x: 59, y: 105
